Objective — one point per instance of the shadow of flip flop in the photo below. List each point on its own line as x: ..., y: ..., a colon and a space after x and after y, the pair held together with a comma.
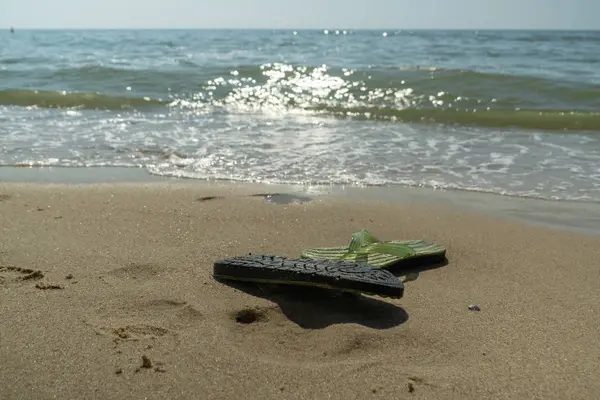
x: 317, y: 308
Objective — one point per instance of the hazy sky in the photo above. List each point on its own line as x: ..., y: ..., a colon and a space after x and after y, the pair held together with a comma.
x: 348, y: 14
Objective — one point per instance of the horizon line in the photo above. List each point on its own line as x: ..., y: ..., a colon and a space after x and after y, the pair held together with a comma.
x: 29, y: 28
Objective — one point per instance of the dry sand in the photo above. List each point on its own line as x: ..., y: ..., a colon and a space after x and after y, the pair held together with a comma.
x: 127, y: 307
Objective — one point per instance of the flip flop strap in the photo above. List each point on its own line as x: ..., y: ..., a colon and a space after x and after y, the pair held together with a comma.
x: 365, y: 243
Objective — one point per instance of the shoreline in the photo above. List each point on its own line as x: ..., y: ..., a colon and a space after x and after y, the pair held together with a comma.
x: 582, y: 217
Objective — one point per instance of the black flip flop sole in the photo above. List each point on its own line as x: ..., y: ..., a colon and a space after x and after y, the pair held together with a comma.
x: 332, y: 274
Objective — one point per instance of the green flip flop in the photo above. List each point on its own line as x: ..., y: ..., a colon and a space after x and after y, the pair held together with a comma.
x: 366, y: 248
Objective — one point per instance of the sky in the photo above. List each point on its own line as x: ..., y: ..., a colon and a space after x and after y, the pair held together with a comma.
x: 302, y: 14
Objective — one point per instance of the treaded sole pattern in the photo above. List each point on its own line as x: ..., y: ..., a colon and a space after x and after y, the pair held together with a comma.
x: 332, y: 274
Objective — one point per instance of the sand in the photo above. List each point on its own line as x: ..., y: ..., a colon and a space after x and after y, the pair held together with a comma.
x: 106, y: 292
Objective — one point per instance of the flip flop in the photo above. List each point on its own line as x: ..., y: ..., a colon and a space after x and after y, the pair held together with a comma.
x: 340, y: 275
x: 366, y: 248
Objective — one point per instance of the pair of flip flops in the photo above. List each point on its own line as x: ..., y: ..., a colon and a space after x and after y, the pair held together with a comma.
x: 360, y: 267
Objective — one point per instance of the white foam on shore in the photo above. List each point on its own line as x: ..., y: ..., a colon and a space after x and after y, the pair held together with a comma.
x: 309, y: 150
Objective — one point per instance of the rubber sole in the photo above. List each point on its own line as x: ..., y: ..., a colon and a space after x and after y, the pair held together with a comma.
x: 332, y: 274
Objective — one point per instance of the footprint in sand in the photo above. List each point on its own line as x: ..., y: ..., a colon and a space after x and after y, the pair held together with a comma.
x: 17, y: 275
x: 127, y: 320
x: 135, y: 326
x: 131, y: 319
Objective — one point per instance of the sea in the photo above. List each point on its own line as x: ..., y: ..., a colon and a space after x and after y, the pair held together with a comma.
x: 510, y: 113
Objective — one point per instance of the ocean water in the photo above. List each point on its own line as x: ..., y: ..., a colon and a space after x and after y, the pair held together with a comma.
x: 508, y: 112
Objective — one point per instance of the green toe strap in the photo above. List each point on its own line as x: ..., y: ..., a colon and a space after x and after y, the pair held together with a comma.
x: 364, y: 247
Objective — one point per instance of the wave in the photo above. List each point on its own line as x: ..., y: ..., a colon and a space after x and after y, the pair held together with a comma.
x: 48, y: 99
x: 198, y: 73
x: 527, y: 119
x: 413, y: 94
x: 550, y: 36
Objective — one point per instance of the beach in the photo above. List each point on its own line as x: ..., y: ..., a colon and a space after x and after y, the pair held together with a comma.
x: 106, y: 291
